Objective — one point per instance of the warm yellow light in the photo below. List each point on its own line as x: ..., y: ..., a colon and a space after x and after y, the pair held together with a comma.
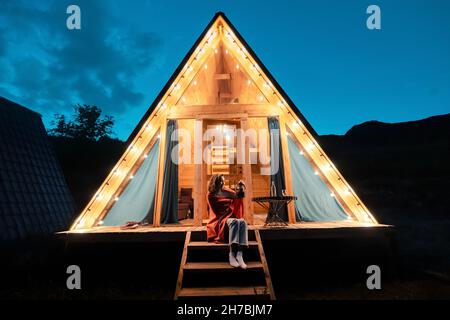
x: 183, y: 99
x: 226, y: 51
x: 195, y: 82
x: 206, y: 66
x: 261, y: 98
x: 249, y: 82
x: 237, y: 66
x: 215, y: 51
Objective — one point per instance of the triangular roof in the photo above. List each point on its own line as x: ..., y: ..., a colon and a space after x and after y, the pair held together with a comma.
x: 221, y: 29
x: 220, y: 16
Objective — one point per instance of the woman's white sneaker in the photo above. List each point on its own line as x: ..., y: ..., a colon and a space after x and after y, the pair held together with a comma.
x: 240, y: 260
x: 233, y: 262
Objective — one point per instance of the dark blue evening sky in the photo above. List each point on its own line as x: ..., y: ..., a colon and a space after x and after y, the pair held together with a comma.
x: 337, y: 71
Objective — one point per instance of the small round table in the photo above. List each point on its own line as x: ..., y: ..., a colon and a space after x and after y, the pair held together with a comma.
x: 274, y: 206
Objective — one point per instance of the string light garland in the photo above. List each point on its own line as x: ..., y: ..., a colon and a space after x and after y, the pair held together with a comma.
x: 266, y: 85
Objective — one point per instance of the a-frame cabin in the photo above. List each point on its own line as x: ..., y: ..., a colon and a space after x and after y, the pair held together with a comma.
x: 221, y: 86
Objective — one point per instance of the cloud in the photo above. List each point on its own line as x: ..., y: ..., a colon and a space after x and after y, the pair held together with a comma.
x: 50, y: 67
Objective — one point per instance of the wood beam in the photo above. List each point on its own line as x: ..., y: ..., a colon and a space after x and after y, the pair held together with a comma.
x: 199, y: 197
x: 205, y: 111
x: 287, y: 169
x: 247, y: 173
x: 160, y: 179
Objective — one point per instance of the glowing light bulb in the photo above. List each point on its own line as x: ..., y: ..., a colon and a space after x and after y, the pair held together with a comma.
x: 249, y: 82
x: 183, y: 99
x: 131, y: 177
x: 100, y: 222
x: 215, y: 51
x: 332, y: 194
x: 316, y: 172
x: 145, y: 156
x: 261, y: 98
x: 195, y: 82
x: 206, y: 66
x: 226, y: 51
x: 301, y: 152
x: 237, y: 66
x: 116, y: 199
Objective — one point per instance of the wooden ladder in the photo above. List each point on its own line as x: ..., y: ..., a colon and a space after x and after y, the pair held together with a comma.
x: 203, y: 264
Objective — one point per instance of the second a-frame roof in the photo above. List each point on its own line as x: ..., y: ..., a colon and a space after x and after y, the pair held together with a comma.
x: 220, y: 19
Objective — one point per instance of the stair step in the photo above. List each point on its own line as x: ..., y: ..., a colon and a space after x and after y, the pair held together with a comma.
x: 223, y: 291
x: 212, y: 245
x: 219, y: 266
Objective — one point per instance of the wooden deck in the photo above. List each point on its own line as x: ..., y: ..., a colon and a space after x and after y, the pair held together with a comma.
x: 302, y: 230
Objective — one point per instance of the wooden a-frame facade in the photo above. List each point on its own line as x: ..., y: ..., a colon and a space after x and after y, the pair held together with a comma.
x: 220, y: 79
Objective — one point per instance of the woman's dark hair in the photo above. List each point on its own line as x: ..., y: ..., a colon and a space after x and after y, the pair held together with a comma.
x: 215, y: 184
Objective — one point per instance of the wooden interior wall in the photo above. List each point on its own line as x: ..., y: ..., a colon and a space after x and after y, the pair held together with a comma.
x: 221, y: 80
x: 186, y: 171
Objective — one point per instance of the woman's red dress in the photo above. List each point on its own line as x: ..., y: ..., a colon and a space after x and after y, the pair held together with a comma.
x: 220, y: 209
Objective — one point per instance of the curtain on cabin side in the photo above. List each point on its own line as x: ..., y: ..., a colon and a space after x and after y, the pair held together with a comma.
x: 137, y: 200
x: 314, y: 202
x: 169, y: 207
x: 276, y: 161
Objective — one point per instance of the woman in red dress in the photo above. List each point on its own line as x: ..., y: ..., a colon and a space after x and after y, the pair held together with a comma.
x: 226, y: 212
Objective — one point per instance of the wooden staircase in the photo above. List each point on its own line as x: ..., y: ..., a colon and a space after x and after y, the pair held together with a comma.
x: 205, y: 271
